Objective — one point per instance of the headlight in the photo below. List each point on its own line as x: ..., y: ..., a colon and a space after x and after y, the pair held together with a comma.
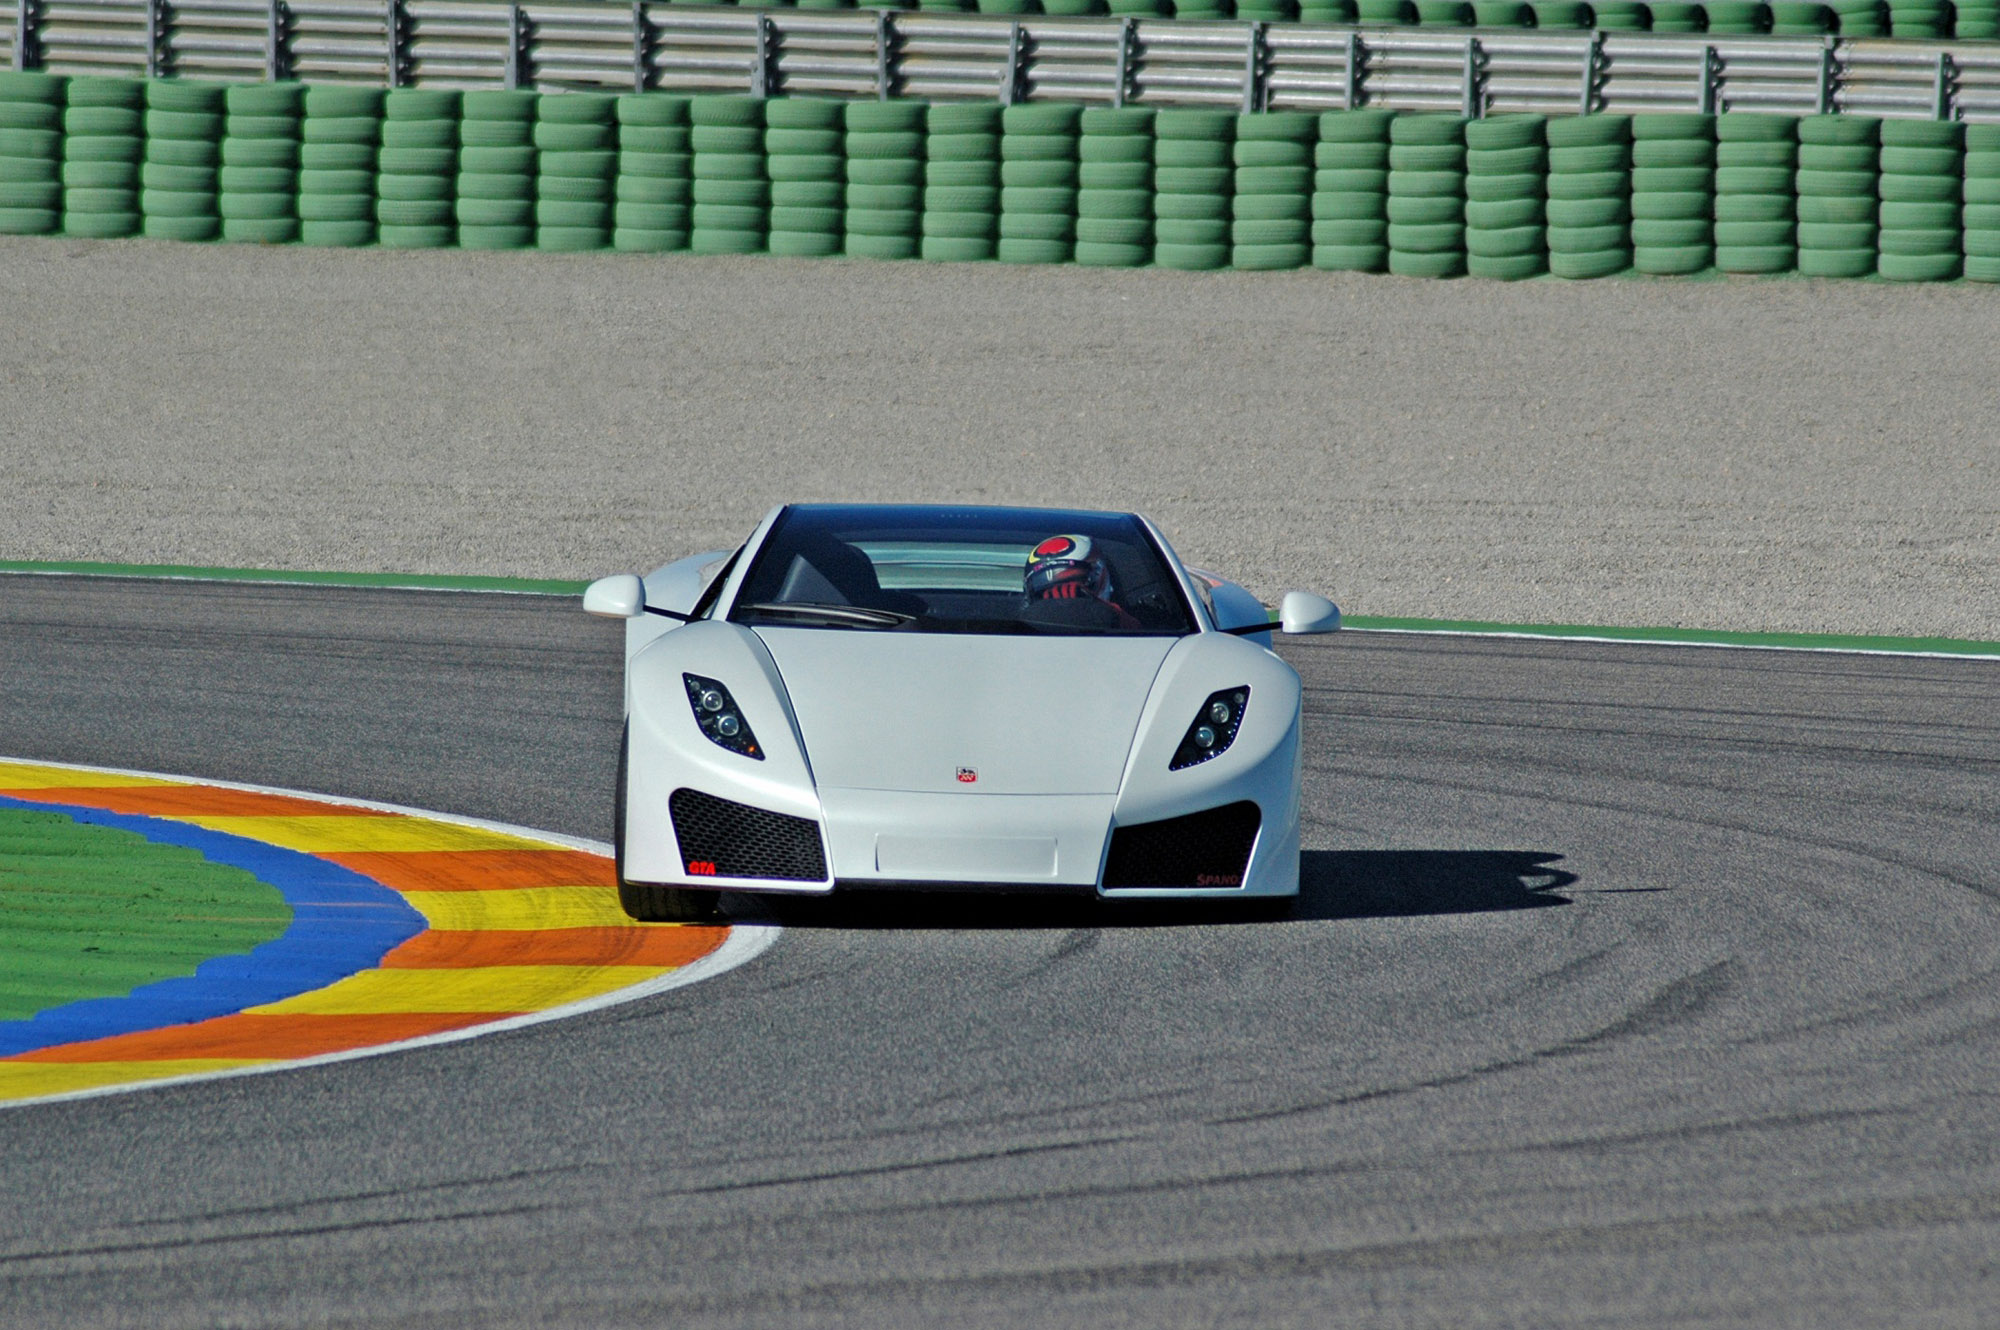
x: 717, y: 714
x: 1214, y: 728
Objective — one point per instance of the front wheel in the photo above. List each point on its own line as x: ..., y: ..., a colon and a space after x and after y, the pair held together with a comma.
x: 642, y: 900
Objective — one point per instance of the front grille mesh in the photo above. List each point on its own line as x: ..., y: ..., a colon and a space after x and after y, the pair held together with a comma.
x: 723, y: 839
x: 1206, y: 849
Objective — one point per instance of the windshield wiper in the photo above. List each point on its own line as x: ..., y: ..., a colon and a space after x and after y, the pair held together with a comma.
x: 853, y: 614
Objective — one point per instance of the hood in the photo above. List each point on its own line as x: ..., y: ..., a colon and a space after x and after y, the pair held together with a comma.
x: 907, y: 711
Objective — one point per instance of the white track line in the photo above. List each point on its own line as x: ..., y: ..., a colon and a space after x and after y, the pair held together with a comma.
x: 1679, y: 642
x: 745, y: 943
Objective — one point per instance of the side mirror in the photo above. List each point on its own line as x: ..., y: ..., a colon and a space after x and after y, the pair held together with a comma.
x: 622, y: 596
x: 1303, y: 612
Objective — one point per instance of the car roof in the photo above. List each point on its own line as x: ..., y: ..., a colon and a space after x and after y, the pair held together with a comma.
x: 944, y: 514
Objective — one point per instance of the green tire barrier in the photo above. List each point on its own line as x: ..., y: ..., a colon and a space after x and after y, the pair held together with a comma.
x: 1737, y: 18
x: 1922, y: 232
x: 1271, y: 207
x: 179, y: 179
x: 493, y: 194
x: 1114, y: 196
x: 1976, y: 20
x: 1673, y: 193
x: 1192, y: 177
x: 1671, y: 16
x: 103, y: 149
x: 31, y: 152
x: 1861, y: 18
x: 1506, y: 171
x: 885, y: 179
x: 258, y: 184
x: 576, y: 170
x: 1038, y: 174
x: 1837, y: 181
x: 1756, y: 161
x: 654, y: 212
x: 1923, y: 20
x: 340, y: 139
x: 731, y: 211
x: 1981, y: 215
x: 961, y: 215
x: 1589, y: 200
x: 1562, y: 15
x: 1350, y: 202
x: 1426, y: 203
x: 805, y: 156
x: 1507, y: 197
x: 416, y: 169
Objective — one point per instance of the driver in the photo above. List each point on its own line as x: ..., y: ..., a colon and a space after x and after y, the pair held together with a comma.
x: 1066, y: 568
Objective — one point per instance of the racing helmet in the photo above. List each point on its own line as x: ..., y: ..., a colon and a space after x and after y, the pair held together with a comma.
x: 1066, y: 568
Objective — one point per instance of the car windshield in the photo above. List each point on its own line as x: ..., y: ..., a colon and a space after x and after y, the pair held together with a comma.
x: 963, y: 570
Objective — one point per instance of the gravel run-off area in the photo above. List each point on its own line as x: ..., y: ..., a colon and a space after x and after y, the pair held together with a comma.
x: 1751, y: 454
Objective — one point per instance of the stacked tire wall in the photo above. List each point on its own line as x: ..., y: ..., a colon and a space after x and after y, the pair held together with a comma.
x: 103, y: 148
x: 1271, y: 225
x: 179, y: 182
x: 259, y: 180
x: 1981, y: 191
x: 494, y: 193
x: 1350, y: 204
x: 1839, y: 172
x: 732, y: 190
x: 1114, y: 195
x: 805, y: 156
x: 1506, y: 175
x: 339, y: 150
x: 1921, y: 234
x: 654, y: 213
x: 1590, y: 195
x: 417, y: 169
x: 961, y: 221
x: 1192, y: 177
x: 1420, y: 194
x: 1673, y: 194
x: 885, y: 179
x: 576, y: 171
x: 1756, y: 200
x: 1038, y: 159
x: 1426, y: 205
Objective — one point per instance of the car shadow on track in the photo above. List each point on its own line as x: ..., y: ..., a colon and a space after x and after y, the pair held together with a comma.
x: 1333, y: 885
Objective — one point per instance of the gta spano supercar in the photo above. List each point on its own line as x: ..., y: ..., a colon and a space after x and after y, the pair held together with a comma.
x: 1007, y: 699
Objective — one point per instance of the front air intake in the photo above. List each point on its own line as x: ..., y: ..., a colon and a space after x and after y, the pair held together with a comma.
x: 1205, y: 849
x: 723, y: 839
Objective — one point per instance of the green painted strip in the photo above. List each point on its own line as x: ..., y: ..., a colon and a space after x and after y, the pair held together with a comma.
x: 1705, y: 637
x: 532, y: 586
x: 88, y: 911
x: 529, y: 586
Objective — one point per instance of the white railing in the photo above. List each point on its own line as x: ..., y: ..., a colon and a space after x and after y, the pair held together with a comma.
x: 888, y: 53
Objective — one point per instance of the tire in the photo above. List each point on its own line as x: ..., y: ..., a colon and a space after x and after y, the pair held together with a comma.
x: 633, y: 240
x: 1342, y: 258
x: 956, y: 249
x: 1511, y: 268
x: 1757, y: 258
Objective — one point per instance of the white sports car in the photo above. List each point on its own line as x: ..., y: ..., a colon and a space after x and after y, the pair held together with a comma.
x: 1007, y: 699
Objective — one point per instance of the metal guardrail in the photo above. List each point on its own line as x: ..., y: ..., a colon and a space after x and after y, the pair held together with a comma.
x: 870, y: 53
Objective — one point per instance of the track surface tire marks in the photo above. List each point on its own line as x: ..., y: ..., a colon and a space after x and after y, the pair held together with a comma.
x: 1630, y: 985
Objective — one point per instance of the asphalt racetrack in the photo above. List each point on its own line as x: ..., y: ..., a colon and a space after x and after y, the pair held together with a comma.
x: 1631, y: 986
